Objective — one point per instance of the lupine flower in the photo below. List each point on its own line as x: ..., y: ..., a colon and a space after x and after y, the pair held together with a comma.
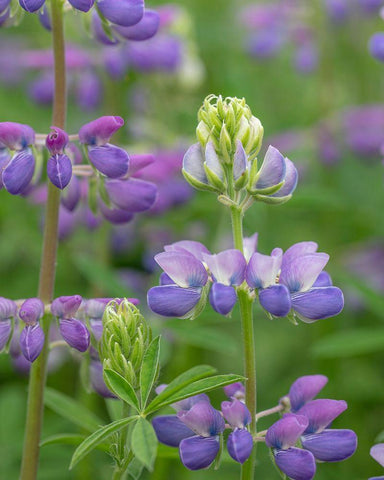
x: 82, y: 5
x: 32, y: 336
x: 301, y: 286
x: 7, y: 313
x: 145, y: 29
x: 240, y: 441
x: 376, y: 46
x: 122, y: 12
x: 305, y: 389
x: 194, y: 431
x: 377, y: 452
x: 235, y: 391
x: 31, y: 5
x: 16, y: 136
x: 97, y: 380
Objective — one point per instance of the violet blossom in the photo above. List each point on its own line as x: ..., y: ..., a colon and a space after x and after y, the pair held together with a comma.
x: 377, y: 453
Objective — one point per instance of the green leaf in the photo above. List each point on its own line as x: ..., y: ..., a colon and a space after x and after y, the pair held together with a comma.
x: 69, y: 439
x: 191, y: 375
x: 72, y: 410
x: 346, y: 344
x: 149, y: 370
x: 121, y: 388
x: 135, y: 469
x: 91, y: 442
x: 144, y: 443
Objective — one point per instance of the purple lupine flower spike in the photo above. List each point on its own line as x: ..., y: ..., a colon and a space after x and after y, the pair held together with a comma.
x: 31, y: 5
x: 110, y: 160
x: 145, y: 29
x: 75, y: 333
x: 100, y: 131
x: 32, y: 341
x: 59, y: 170
x: 82, y: 5
x: 122, y: 12
x: 66, y: 306
x: 304, y: 389
x: 18, y: 174
x: 31, y: 311
x: 16, y: 136
x: 56, y: 141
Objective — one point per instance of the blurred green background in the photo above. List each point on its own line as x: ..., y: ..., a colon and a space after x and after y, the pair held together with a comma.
x: 340, y: 206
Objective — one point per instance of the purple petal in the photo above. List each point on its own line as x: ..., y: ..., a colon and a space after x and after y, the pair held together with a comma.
x: 305, y: 389
x: 4, y: 160
x: 89, y: 91
x: 75, y: 333
x: 272, y: 171
x: 56, y: 141
x: 239, y: 161
x: 32, y: 341
x: 331, y: 445
x: 276, y: 300
x: 296, y: 463
x: 290, y: 180
x: 96, y: 328
x: 165, y: 279
x: 198, y: 452
x: 173, y: 301
x: 4, y: 4
x: 240, y: 445
x: 115, y: 215
x: 5, y: 332
x: 193, y: 163
x: 301, y: 272
x: 31, y: 310
x: 203, y: 419
x: 212, y: 161
x: 71, y: 195
x: 8, y: 308
x: 99, y: 33
x: 97, y: 380
x: 110, y: 160
x: 184, y: 269
x: 132, y: 195
x: 170, y: 430
x: 222, y: 298
x: 250, y: 245
x: 16, y: 136
x: 4, y: 16
x: 145, y: 29
x: 285, y: 432
x: 100, y: 131
x: 235, y: 390
x: 18, y: 174
x: 188, y: 403
x: 59, y: 170
x: 66, y: 306
x: 82, y: 5
x: 227, y: 267
x: 318, y: 303
x: 236, y: 413
x: 376, y: 46
x: 323, y: 280
x: 321, y: 412
x: 377, y: 452
x: 122, y: 12
x: 31, y: 5
x: 262, y: 270
x: 297, y: 250
x: 196, y: 248
x: 96, y: 306
x: 139, y: 161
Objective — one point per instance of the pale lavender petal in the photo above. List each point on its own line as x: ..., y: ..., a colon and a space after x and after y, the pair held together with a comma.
x: 199, y: 452
x: 227, y: 267
x: 301, y: 272
x: 193, y: 163
x: 240, y: 445
x: 110, y: 160
x: 203, y: 419
x: 318, y: 303
x: 323, y: 280
x: 116, y: 216
x: 31, y: 5
x: 173, y: 301
x: 100, y: 131
x: 305, y: 389
x: 290, y: 180
x: 96, y: 325
x: 71, y: 195
x: 66, y: 306
x: 276, y: 300
x: 262, y: 269
x: 170, y: 430
x: 145, y: 29
x: 297, y: 250
x: 250, y: 245
x: 122, y: 12
x: 18, y: 174
x: 196, y: 248
x: 222, y: 298
x: 236, y: 413
x: 139, y: 161
x: 272, y: 171
x: 377, y: 452
x: 133, y: 195
x: 59, y: 170
x: 321, y: 412
x: 235, y: 390
x: 296, y: 463
x: 285, y: 432
x: 212, y: 161
x: 32, y: 341
x: 184, y: 269
x: 31, y: 310
x: 239, y: 161
x: 5, y: 332
x: 331, y: 445
x: 75, y: 333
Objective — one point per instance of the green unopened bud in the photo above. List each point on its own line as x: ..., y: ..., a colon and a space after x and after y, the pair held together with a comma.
x: 225, y: 144
x: 126, y: 337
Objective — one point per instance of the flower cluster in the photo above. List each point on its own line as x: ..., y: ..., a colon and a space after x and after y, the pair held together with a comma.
x: 308, y: 423
x: 197, y: 426
x: 289, y: 284
x: 377, y: 452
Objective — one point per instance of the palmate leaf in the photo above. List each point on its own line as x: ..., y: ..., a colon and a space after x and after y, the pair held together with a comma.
x: 149, y: 370
x: 96, y: 438
x: 121, y: 388
x: 72, y: 410
x: 191, y: 375
x: 195, y: 388
x: 144, y: 443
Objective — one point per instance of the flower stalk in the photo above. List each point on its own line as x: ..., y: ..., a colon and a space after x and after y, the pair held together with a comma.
x: 37, y: 377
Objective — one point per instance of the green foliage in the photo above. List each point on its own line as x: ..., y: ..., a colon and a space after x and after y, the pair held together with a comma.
x: 121, y: 388
x: 144, y: 443
x: 149, y: 370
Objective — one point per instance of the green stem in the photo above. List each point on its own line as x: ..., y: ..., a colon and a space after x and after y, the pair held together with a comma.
x: 246, y: 313
x: 37, y: 378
